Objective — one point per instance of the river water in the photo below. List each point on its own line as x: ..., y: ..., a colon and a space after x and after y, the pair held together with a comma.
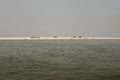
x: 60, y: 60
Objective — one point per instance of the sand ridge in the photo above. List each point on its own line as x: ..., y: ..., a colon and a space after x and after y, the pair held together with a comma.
x: 54, y: 38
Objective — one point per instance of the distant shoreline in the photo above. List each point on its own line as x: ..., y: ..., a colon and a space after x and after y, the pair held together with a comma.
x: 58, y: 38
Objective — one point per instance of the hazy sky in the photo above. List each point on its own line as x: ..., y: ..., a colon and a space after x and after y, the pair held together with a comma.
x: 59, y: 17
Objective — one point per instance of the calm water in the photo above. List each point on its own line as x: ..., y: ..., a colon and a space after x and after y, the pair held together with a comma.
x: 60, y: 60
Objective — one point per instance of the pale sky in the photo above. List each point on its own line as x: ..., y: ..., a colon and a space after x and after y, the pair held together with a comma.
x: 59, y: 17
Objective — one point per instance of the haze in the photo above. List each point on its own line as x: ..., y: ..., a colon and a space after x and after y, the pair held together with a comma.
x: 59, y: 17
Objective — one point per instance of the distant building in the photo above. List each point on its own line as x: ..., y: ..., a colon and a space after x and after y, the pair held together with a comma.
x: 55, y: 36
x: 74, y: 36
x: 34, y: 37
x: 80, y: 36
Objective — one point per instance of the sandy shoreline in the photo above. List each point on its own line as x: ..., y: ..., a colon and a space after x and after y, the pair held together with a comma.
x: 55, y: 38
